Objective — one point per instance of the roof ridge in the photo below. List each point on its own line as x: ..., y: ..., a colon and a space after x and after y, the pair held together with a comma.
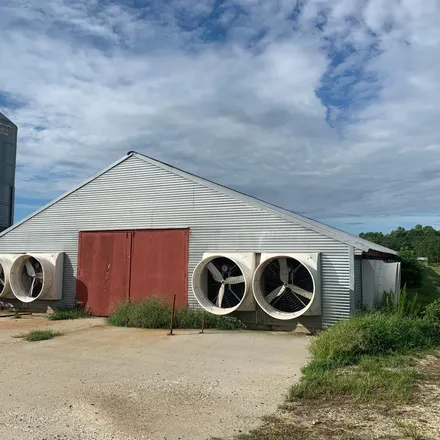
x: 320, y: 227
x: 337, y: 234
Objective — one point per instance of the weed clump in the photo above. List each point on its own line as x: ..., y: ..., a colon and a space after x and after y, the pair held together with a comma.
x: 38, y: 335
x: 156, y: 314
x: 70, y: 313
x: 432, y: 314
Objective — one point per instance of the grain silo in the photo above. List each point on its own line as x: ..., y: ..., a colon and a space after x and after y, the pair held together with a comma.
x: 8, y: 154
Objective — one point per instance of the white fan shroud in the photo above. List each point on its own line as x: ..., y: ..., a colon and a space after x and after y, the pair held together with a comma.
x: 6, y: 262
x: 311, y: 262
x: 244, y: 261
x: 51, y: 276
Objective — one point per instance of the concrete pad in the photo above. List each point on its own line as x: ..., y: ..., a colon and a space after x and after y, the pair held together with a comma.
x: 99, y: 382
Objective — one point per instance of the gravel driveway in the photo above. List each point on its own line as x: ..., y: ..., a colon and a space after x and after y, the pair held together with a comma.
x: 98, y: 382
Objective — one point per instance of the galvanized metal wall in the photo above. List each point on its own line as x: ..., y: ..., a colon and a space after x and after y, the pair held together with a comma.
x: 8, y: 154
x: 358, y: 282
x: 136, y: 194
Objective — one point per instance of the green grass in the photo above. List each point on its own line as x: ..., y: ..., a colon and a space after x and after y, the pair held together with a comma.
x: 372, y: 334
x: 75, y: 313
x: 374, y: 379
x: 275, y: 428
x: 155, y: 313
x: 373, y: 359
x: 38, y: 335
x: 367, y: 358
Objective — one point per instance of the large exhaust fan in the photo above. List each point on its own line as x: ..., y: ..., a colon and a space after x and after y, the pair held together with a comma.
x: 37, y: 276
x: 6, y: 261
x: 221, y: 282
x: 287, y: 286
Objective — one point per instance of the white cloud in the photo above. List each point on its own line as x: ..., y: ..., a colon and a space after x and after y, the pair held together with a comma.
x: 233, y: 96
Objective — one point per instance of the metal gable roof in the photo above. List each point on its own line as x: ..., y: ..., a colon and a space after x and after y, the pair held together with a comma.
x: 319, y: 227
x: 314, y: 225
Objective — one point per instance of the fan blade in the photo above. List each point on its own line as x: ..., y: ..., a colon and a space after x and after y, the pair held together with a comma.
x: 221, y: 293
x: 32, y: 286
x: 299, y: 291
x: 277, y: 292
x: 2, y: 281
x: 233, y: 293
x: 216, y: 274
x: 29, y: 268
x: 284, y: 270
x: 234, y: 280
x: 39, y: 275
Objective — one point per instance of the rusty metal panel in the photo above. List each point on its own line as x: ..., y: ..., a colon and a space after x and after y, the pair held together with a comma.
x: 103, y: 279
x: 159, y: 265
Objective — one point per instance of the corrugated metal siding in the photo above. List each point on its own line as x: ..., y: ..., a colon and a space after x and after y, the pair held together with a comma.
x: 358, y: 282
x: 159, y: 265
x: 104, y: 270
x: 136, y: 194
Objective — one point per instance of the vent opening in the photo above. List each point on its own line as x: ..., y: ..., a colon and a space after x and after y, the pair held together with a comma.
x: 284, y: 287
x: 219, y: 285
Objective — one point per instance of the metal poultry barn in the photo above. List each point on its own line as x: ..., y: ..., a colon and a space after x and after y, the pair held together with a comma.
x: 141, y: 228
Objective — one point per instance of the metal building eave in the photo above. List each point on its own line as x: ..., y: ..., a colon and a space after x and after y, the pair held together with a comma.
x: 314, y: 225
x: 68, y: 193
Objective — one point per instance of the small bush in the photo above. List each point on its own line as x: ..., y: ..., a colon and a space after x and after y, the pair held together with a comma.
x: 71, y: 313
x: 156, y: 313
x: 38, y: 335
x: 432, y: 314
x: 146, y: 314
x: 406, y: 306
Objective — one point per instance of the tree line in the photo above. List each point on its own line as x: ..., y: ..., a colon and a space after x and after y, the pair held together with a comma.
x: 423, y: 241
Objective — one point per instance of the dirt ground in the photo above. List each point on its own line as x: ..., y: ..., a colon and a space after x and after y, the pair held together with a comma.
x: 344, y: 418
x: 98, y: 382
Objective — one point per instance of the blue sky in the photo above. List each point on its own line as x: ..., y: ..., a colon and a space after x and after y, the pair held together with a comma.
x: 329, y: 109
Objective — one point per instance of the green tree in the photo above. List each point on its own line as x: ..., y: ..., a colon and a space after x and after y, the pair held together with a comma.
x: 424, y: 241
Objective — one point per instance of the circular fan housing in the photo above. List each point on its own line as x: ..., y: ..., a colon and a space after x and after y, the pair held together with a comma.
x: 31, y: 278
x: 3, y: 280
x: 6, y: 261
x: 283, y: 287
x: 219, y: 284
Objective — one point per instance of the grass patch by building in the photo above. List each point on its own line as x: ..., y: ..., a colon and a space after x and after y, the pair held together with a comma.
x: 155, y: 313
x: 370, y: 357
x: 376, y: 375
x: 38, y: 335
x: 73, y: 313
x: 374, y: 379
